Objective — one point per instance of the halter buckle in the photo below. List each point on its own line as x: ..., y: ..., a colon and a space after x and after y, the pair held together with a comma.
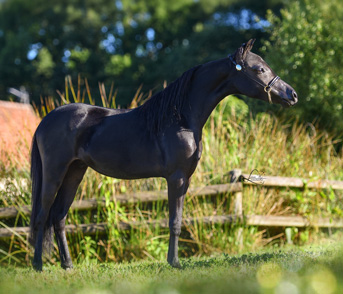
x: 267, y: 89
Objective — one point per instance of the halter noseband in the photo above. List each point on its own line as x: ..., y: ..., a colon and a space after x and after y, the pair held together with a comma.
x: 266, y: 88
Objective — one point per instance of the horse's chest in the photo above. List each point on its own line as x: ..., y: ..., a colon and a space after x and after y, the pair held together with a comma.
x: 182, y: 151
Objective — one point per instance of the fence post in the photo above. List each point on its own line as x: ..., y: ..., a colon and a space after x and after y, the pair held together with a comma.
x: 235, y: 176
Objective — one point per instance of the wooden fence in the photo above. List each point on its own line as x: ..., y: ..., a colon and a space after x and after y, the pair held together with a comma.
x: 236, y: 187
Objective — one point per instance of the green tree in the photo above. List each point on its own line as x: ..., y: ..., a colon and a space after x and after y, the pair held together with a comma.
x: 306, y: 48
x: 128, y: 42
x: 38, y: 39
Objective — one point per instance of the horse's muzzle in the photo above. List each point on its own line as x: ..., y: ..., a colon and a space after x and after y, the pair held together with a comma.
x: 291, y: 98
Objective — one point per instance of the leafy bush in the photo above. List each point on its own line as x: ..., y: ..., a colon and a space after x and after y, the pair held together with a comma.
x: 305, y: 48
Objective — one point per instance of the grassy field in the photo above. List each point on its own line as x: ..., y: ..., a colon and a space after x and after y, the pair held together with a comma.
x: 314, y: 269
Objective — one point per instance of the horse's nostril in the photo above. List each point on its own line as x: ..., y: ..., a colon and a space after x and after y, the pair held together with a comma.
x: 295, y: 95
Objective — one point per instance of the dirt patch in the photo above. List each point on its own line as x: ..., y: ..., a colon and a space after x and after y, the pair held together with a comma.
x: 17, y: 124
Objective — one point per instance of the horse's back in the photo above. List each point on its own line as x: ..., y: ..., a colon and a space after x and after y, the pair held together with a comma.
x: 67, y: 126
x: 76, y: 115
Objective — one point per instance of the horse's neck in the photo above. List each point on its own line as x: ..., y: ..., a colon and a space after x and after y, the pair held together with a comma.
x: 204, y: 100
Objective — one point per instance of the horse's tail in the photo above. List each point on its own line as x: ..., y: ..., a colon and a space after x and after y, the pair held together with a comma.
x: 36, y: 179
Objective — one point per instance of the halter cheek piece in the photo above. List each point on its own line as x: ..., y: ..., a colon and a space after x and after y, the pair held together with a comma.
x: 266, y: 88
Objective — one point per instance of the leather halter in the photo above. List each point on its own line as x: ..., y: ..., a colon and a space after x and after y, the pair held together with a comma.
x: 266, y: 88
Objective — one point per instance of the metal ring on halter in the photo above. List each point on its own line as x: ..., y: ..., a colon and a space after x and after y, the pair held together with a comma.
x: 267, y: 89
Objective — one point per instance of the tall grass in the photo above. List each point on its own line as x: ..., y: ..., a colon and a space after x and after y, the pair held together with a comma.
x: 232, y: 138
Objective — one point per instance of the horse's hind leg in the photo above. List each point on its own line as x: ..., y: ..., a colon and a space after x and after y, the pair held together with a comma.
x: 51, y: 181
x: 64, y: 199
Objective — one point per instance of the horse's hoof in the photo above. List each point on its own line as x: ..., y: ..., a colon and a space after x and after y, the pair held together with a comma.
x: 175, y: 263
x: 67, y: 266
x: 38, y: 267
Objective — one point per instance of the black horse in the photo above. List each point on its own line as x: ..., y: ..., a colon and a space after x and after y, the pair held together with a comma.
x: 161, y: 138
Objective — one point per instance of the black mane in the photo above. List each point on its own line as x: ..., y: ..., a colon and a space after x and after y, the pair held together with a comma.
x: 166, y: 106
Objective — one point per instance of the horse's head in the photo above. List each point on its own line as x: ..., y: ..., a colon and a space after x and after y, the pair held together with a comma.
x: 254, y: 78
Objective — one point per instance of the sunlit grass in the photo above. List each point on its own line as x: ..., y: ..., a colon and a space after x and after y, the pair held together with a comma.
x: 293, y: 270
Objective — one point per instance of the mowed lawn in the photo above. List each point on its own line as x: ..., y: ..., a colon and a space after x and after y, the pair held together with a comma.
x: 316, y: 269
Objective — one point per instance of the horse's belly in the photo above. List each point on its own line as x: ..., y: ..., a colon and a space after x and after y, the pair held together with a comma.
x: 123, y: 170
x: 125, y: 161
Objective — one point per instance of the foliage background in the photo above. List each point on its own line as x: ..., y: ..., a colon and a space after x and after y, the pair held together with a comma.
x: 306, y: 46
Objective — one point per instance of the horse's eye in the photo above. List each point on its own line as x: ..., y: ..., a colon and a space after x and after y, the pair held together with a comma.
x: 258, y: 69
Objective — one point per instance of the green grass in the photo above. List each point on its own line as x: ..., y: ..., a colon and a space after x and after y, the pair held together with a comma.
x: 316, y: 269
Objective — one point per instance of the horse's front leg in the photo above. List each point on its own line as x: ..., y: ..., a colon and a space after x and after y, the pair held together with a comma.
x: 177, y: 188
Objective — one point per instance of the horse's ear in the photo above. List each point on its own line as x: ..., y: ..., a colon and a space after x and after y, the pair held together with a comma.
x: 242, y: 51
x: 239, y: 54
x: 248, y: 46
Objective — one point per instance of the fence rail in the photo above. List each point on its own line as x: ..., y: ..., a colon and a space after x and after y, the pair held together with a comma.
x: 235, y: 187
x: 249, y: 220
x: 288, y: 182
x: 139, y: 197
